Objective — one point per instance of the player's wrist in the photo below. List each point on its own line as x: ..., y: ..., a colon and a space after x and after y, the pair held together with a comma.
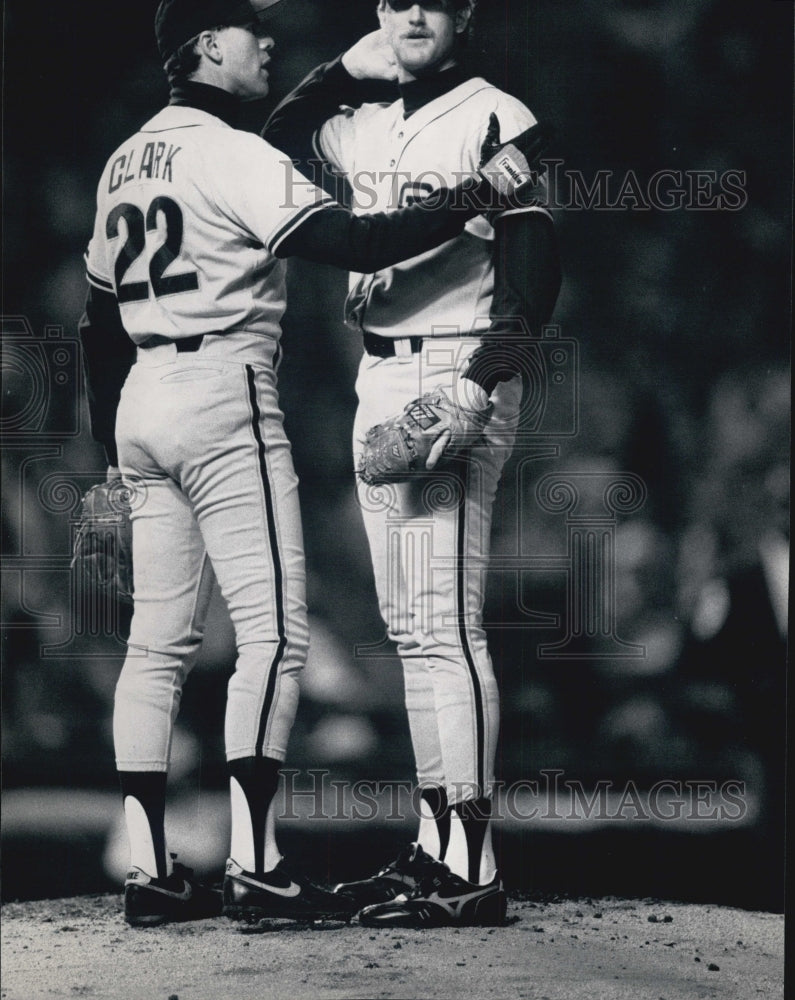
x: 480, y: 380
x: 349, y: 64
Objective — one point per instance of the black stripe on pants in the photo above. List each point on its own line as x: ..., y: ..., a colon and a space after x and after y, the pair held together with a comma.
x: 278, y: 576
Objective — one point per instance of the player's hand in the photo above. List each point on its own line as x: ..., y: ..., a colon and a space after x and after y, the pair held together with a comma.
x: 473, y: 409
x: 371, y: 58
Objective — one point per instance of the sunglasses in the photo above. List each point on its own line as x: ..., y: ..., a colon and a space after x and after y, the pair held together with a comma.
x: 432, y: 6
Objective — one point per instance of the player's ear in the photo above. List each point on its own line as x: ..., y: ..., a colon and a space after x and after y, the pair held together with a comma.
x: 462, y: 18
x: 207, y: 45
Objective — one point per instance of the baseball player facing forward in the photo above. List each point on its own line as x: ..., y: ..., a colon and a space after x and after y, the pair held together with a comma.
x: 186, y: 292
x: 448, y: 319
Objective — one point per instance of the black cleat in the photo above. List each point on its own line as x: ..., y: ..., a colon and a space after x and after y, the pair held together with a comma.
x: 280, y: 893
x: 401, y: 876
x: 442, y: 899
x: 151, y: 901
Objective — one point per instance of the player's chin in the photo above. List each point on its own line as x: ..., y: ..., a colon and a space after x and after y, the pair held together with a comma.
x: 258, y: 89
x: 419, y: 60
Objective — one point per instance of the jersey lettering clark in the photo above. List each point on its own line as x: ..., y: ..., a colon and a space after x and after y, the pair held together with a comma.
x: 181, y: 216
x: 391, y: 161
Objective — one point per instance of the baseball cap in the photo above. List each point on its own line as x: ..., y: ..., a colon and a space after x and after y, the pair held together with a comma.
x: 402, y: 5
x: 177, y: 21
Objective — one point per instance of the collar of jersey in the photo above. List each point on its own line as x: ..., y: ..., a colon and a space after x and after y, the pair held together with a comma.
x: 417, y: 93
x: 443, y: 105
x: 204, y: 97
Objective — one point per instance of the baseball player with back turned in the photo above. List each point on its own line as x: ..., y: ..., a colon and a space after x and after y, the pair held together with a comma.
x: 450, y: 320
x: 186, y: 292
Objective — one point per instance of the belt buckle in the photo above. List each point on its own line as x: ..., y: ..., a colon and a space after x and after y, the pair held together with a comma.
x: 403, y: 347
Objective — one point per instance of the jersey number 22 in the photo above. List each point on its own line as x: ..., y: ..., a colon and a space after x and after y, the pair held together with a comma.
x: 138, y: 226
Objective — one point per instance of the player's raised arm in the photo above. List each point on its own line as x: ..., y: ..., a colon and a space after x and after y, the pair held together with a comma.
x: 294, y: 125
x: 348, y: 81
x: 371, y: 242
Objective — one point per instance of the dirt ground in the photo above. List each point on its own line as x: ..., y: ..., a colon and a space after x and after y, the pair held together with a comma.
x: 562, y: 949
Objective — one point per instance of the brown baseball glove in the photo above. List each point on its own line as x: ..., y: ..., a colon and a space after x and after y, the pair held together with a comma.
x: 416, y: 439
x: 103, y: 544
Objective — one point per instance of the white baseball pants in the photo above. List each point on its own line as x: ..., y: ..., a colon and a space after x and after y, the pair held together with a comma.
x: 429, y: 541
x: 200, y: 436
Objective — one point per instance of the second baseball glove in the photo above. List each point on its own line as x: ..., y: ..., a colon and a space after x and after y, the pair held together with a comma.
x: 103, y: 544
x: 415, y: 439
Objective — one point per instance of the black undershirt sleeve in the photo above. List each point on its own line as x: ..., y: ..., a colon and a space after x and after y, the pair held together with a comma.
x: 367, y: 243
x: 108, y: 355
x: 293, y: 124
x: 527, y: 278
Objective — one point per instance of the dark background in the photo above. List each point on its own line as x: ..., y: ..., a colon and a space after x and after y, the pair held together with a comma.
x: 682, y: 320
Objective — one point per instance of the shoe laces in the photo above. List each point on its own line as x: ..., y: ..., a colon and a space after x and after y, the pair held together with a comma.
x: 435, y: 878
x: 412, y: 860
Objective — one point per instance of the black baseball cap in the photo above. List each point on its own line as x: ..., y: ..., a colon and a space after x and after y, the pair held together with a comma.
x: 177, y: 21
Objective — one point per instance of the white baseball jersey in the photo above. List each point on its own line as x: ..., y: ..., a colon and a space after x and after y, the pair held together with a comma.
x: 391, y: 161
x: 169, y: 238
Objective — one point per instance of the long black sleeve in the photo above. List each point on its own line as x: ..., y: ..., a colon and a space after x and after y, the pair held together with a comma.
x: 293, y: 124
x: 368, y: 243
x: 527, y: 278
x: 108, y: 355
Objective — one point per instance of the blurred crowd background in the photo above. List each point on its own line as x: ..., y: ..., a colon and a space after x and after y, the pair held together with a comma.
x: 681, y: 320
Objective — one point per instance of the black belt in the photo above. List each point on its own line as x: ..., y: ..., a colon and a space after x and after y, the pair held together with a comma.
x: 384, y: 347
x: 183, y: 345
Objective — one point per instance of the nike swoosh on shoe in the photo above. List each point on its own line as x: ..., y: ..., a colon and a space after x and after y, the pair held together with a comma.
x: 186, y: 894
x: 290, y: 891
